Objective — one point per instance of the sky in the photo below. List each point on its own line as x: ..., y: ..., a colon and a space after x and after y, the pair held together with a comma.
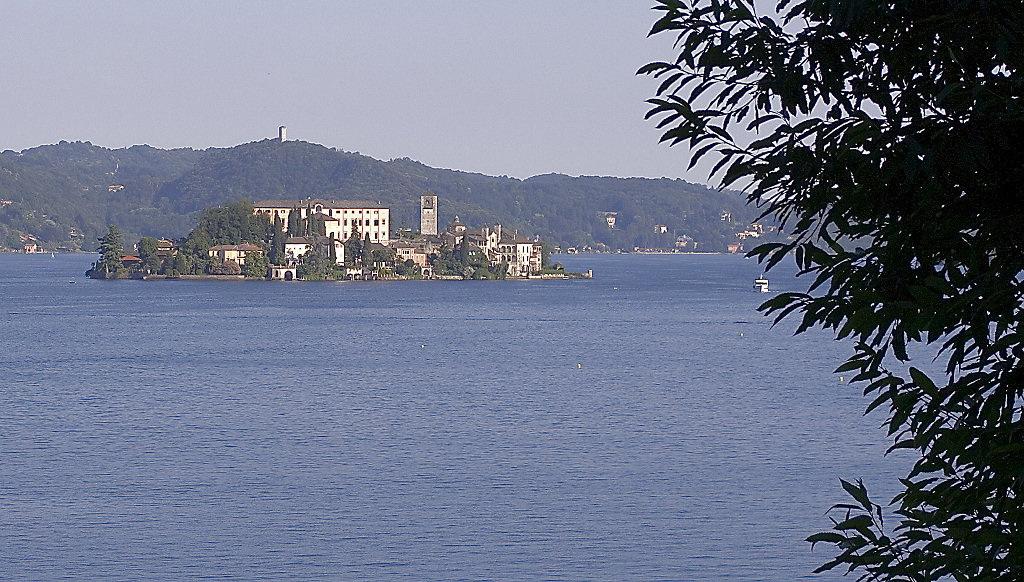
x: 505, y: 88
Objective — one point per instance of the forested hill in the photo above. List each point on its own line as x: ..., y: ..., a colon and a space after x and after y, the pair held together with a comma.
x: 66, y: 194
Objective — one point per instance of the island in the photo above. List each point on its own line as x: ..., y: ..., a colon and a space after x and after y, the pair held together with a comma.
x: 316, y: 239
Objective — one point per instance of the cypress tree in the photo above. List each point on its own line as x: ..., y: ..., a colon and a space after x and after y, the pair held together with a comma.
x: 367, y: 256
x: 277, y: 243
x: 295, y: 222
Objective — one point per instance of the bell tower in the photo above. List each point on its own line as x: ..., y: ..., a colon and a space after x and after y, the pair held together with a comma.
x: 428, y: 214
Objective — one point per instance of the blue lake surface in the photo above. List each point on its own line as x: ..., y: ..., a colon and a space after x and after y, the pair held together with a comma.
x: 420, y: 430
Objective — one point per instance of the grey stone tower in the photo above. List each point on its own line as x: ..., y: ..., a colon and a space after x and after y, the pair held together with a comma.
x: 428, y: 214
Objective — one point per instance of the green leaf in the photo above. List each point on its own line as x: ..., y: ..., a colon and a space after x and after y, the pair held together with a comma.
x: 858, y: 492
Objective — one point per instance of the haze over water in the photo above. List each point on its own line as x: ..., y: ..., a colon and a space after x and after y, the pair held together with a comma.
x: 420, y: 430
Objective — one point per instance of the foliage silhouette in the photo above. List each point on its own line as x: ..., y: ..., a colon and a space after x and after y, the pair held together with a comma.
x: 888, y: 144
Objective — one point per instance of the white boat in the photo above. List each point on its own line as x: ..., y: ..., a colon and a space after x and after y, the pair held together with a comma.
x: 761, y: 285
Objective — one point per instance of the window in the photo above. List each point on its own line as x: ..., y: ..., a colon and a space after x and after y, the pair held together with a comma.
x: 367, y: 222
x: 376, y: 223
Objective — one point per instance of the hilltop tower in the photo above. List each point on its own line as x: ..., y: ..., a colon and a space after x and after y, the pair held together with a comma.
x: 428, y: 214
x: 282, y: 134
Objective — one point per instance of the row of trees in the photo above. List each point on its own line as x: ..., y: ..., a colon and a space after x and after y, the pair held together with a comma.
x: 231, y: 224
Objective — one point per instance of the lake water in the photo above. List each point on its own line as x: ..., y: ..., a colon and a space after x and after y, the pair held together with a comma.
x: 419, y: 430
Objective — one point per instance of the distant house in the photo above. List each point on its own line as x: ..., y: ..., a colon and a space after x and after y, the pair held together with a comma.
x: 734, y: 247
x: 166, y: 248
x: 522, y: 255
x: 611, y: 218
x: 410, y: 251
x: 296, y: 246
x: 660, y: 228
x: 31, y: 247
x: 755, y: 230
x: 115, y: 187
x: 130, y: 261
x: 236, y: 253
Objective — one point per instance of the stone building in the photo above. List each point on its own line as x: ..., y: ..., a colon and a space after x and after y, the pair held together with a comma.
x: 418, y: 252
x: 236, y: 253
x: 428, y: 215
x: 522, y: 255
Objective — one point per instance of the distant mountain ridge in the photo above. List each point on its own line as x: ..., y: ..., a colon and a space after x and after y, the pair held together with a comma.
x: 66, y: 194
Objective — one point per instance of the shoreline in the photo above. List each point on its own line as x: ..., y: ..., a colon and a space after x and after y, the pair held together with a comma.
x: 587, y: 276
x: 563, y: 254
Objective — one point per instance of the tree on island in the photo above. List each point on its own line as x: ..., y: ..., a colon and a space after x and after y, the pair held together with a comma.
x: 228, y: 267
x: 365, y: 254
x: 408, y: 268
x: 257, y: 265
x: 316, y: 225
x: 111, y: 250
x: 151, y: 261
x: 235, y: 223
x: 277, y: 256
x: 194, y: 254
x: 318, y: 263
x: 888, y: 146
x: 295, y: 222
x: 353, y: 247
x: 230, y: 224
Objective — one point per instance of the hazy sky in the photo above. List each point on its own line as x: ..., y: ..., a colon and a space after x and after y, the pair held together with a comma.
x: 519, y: 88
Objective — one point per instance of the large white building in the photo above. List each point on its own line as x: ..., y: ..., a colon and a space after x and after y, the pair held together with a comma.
x: 346, y: 216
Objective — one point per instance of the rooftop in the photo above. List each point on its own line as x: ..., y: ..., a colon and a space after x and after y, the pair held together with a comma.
x: 325, y: 217
x: 508, y: 240
x: 332, y: 204
x: 241, y: 247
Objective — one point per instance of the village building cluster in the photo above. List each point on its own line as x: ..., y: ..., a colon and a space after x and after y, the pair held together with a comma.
x: 338, y: 223
x: 521, y: 256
